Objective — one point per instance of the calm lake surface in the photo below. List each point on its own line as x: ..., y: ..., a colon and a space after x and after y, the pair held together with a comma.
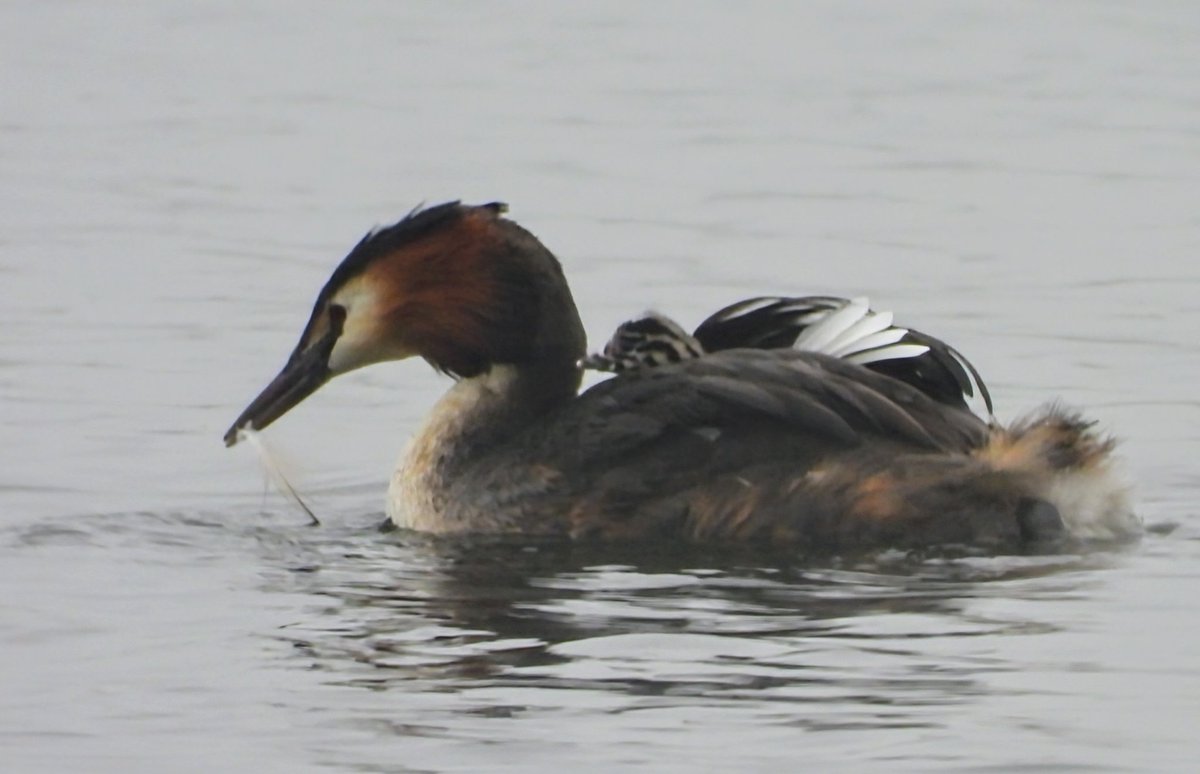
x: 178, y: 179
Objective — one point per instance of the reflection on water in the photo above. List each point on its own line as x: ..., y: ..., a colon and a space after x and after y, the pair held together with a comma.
x: 485, y: 608
x: 664, y: 658
x: 519, y: 631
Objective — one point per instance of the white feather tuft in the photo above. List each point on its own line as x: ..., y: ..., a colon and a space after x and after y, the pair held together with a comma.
x: 851, y: 340
x: 274, y: 470
x: 818, y: 336
x: 883, y: 338
x: 893, y: 352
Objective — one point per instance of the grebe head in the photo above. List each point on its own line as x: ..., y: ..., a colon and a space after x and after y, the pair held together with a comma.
x: 458, y: 285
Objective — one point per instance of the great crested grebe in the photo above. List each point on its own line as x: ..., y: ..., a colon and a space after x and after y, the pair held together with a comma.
x: 737, y: 444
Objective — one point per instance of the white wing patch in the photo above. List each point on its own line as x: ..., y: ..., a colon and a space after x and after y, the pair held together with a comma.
x: 894, y: 352
x: 822, y: 332
x: 856, y: 333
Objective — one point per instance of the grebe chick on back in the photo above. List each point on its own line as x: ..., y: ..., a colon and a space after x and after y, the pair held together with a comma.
x: 739, y: 444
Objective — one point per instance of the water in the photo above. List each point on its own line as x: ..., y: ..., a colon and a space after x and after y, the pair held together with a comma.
x: 179, y: 179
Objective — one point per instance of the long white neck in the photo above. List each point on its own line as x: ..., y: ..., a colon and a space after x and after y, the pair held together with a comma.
x: 431, y: 489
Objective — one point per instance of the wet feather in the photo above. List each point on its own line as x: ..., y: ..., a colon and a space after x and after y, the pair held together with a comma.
x: 274, y: 470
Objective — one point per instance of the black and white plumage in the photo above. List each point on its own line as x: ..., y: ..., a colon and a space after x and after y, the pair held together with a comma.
x: 847, y: 329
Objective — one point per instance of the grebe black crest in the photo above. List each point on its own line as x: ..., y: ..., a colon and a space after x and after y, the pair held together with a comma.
x: 777, y: 420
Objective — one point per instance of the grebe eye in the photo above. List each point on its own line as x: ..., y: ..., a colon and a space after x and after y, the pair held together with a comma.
x: 337, y: 316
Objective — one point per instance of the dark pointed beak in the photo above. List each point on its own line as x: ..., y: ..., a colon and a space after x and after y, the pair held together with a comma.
x: 305, y: 371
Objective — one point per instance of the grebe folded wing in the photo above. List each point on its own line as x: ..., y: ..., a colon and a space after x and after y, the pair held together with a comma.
x: 810, y: 391
x: 861, y: 335
x: 845, y: 328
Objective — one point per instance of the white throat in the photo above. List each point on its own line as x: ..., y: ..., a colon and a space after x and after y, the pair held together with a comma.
x: 419, y: 496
